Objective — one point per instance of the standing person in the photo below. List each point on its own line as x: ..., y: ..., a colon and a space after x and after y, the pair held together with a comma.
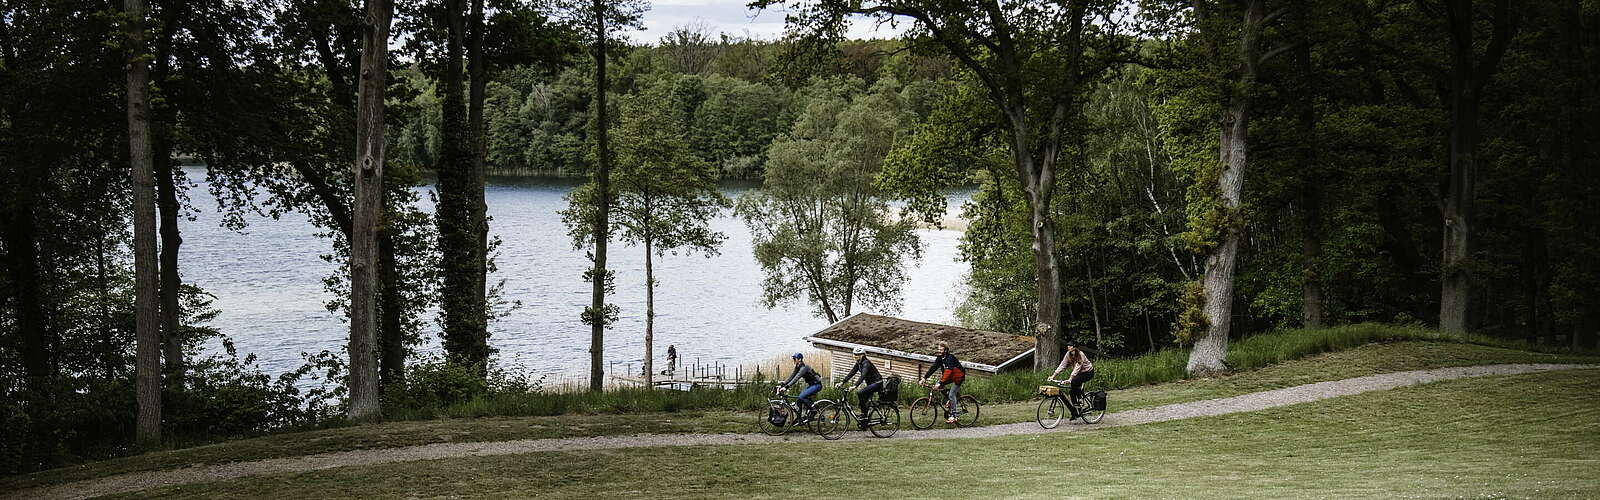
x: 813, y: 385
x: 1082, y: 371
x: 672, y: 359
x: 869, y: 376
x: 951, y: 378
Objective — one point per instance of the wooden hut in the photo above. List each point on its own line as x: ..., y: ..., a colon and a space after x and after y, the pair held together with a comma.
x: 906, y: 348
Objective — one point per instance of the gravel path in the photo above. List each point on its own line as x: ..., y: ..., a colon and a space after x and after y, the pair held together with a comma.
x: 1249, y: 402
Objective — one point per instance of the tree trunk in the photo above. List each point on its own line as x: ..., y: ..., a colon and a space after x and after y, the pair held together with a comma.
x: 391, y: 333
x: 465, y: 334
x: 1047, y: 277
x: 1468, y: 76
x: 649, y: 315
x: 1310, y: 197
x: 1211, y: 349
x: 171, y: 282
x: 1455, y: 282
x: 367, y: 212
x: 1094, y: 311
x: 22, y: 251
x: 479, y: 208
x: 602, y: 218
x: 147, y: 368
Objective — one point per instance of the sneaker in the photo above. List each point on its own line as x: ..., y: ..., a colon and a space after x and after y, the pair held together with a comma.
x: 950, y: 420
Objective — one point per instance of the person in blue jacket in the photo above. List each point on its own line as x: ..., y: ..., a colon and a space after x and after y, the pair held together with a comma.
x: 813, y: 385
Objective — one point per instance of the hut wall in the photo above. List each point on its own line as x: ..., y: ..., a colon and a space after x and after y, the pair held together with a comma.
x: 909, y: 370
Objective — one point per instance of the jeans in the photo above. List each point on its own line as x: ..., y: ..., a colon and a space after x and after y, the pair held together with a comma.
x: 954, y: 394
x: 1077, y: 385
x: 865, y: 394
x: 805, y: 398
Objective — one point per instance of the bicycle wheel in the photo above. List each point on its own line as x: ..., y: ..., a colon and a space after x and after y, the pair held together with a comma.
x: 831, y: 420
x: 969, y: 412
x: 1087, y: 413
x: 884, y: 420
x: 789, y: 416
x: 924, y: 414
x: 1051, y: 410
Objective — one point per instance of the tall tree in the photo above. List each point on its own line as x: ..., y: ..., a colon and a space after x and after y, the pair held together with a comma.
x: 460, y: 216
x: 599, y: 277
x: 368, y: 174
x: 600, y: 20
x: 1469, y: 73
x: 665, y: 194
x: 821, y: 227
x: 1031, y: 58
x: 1230, y: 35
x: 148, y: 346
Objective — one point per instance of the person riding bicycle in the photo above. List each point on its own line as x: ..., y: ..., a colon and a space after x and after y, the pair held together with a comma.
x: 1082, y: 371
x: 813, y: 385
x: 950, y: 379
x: 869, y: 376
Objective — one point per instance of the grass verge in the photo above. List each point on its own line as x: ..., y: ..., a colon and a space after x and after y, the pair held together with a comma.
x: 1364, y: 360
x: 1518, y: 436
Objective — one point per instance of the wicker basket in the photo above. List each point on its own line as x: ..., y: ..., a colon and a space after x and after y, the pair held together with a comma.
x: 1049, y: 390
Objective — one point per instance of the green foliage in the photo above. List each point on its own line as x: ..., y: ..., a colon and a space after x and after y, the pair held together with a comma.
x: 820, y: 227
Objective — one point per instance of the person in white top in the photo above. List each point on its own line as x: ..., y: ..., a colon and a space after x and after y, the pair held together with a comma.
x: 1082, y: 370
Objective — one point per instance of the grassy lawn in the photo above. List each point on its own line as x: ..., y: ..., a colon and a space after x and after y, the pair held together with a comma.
x: 1534, y: 435
x: 1365, y: 360
x: 1369, y: 359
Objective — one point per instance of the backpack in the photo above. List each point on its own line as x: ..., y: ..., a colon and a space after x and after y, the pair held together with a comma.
x: 891, y: 389
x: 777, y: 416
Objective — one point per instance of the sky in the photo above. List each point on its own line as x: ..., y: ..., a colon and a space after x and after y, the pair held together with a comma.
x: 733, y: 18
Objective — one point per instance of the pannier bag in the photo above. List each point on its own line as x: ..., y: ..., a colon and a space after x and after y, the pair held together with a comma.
x: 891, y: 389
x: 1049, y: 390
x: 1097, y: 400
x: 777, y: 415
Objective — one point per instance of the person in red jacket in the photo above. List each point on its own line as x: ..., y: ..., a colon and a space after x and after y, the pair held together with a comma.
x: 951, y: 378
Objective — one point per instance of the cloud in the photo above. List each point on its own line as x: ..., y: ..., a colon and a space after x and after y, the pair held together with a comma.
x: 734, y: 18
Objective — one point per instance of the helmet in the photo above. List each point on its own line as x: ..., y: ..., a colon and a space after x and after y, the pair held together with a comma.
x: 798, y: 356
x: 858, y: 351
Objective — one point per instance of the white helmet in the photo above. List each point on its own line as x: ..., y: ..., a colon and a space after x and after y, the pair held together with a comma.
x: 858, y: 351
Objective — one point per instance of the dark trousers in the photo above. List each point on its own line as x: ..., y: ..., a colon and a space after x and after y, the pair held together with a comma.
x: 865, y: 394
x: 1077, y: 385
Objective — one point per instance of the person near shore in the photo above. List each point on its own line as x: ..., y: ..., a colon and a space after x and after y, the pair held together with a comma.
x: 950, y: 379
x: 1082, y: 371
x: 869, y: 376
x: 813, y: 385
x: 672, y: 359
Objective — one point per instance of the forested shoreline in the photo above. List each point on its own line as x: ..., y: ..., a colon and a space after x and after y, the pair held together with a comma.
x: 1150, y: 174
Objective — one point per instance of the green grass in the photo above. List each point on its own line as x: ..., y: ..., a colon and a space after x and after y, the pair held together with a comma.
x: 1244, y: 355
x: 1533, y: 435
x: 1364, y: 360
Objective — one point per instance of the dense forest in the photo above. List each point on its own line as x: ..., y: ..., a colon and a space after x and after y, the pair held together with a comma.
x: 1149, y: 175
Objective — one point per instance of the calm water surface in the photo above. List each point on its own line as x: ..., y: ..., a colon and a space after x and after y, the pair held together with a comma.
x: 268, y: 284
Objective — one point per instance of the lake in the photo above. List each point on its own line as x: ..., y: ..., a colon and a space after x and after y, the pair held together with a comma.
x: 267, y: 281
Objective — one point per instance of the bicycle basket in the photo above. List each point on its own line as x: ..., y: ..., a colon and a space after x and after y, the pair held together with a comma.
x: 777, y: 416
x: 1097, y: 400
x: 1049, y: 390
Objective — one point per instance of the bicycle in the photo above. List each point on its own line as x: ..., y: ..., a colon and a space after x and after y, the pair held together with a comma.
x: 833, y: 418
x: 1056, y: 405
x: 929, y: 410
x: 782, y: 415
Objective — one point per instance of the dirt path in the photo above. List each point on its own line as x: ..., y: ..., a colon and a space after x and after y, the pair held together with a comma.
x: 1245, y: 403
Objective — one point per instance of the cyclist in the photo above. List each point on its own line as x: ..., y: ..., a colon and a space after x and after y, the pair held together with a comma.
x: 951, y: 378
x: 1082, y: 371
x: 813, y: 385
x: 869, y: 376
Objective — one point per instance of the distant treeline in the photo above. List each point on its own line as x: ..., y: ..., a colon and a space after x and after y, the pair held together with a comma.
x: 735, y: 95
